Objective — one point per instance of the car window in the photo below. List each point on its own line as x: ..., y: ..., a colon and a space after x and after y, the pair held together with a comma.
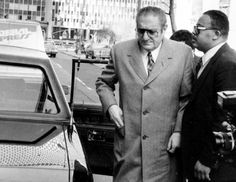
x: 85, y: 78
x: 25, y: 89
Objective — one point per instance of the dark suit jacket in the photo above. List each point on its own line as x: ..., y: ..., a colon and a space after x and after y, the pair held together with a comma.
x: 202, y: 114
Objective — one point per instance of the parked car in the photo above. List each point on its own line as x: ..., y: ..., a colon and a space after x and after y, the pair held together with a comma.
x: 50, y: 48
x: 38, y: 138
x: 97, y: 51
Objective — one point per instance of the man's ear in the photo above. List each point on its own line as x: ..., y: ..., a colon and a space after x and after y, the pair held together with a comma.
x: 164, y: 27
x: 217, y: 35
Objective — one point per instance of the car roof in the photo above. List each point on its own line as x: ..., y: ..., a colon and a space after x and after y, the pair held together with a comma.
x: 26, y: 34
x: 9, y: 50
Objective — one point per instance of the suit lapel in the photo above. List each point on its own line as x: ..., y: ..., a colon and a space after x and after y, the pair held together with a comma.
x: 201, y: 80
x: 135, y: 60
x: 163, y: 60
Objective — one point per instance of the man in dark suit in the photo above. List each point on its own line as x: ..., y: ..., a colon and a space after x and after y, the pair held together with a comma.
x: 203, y: 116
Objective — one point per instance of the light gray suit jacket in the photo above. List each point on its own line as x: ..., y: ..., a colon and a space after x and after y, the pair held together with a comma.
x: 152, y: 106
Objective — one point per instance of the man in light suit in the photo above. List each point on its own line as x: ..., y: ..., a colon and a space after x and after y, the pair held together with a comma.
x: 203, y: 116
x: 152, y: 100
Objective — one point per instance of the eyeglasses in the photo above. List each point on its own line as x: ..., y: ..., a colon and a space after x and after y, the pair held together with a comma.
x: 150, y: 32
x: 197, y: 29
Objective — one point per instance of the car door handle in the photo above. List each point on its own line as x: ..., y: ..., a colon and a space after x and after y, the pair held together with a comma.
x: 94, y: 135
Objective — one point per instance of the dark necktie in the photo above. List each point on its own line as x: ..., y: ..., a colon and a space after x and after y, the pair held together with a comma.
x: 151, y: 63
x: 198, y: 67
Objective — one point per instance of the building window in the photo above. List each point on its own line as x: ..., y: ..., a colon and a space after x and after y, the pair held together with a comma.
x: 34, y: 18
x: 20, y: 17
x: 42, y: 18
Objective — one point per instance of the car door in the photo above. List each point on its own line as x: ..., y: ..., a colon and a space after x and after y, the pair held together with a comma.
x: 94, y: 127
x: 38, y: 141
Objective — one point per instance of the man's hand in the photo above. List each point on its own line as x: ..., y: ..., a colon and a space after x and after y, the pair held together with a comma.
x: 116, y: 115
x: 174, y: 142
x: 202, y: 172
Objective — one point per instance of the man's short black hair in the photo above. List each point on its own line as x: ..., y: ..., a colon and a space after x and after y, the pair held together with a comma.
x: 183, y: 36
x: 219, y: 20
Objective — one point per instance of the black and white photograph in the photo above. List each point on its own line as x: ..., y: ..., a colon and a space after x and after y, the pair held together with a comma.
x: 117, y: 91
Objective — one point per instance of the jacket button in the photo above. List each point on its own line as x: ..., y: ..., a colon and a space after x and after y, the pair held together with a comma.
x: 145, y: 87
x: 145, y: 112
x: 145, y: 137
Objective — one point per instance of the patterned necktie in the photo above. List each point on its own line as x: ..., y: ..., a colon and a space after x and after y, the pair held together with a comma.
x: 198, y: 67
x: 151, y: 63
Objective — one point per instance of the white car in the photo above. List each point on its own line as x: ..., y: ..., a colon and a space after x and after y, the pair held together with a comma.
x: 38, y: 138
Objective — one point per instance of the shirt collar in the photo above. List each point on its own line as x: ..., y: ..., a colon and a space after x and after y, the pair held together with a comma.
x: 210, y: 53
x: 154, y: 52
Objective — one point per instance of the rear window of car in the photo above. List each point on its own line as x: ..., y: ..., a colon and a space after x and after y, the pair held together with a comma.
x: 25, y: 89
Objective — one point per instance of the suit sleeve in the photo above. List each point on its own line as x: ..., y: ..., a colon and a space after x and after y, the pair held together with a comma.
x: 105, y: 84
x: 185, y: 89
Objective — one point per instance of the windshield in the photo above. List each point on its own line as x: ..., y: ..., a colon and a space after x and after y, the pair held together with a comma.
x: 25, y: 89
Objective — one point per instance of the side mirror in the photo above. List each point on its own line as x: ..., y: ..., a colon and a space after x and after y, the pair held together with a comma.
x: 66, y: 89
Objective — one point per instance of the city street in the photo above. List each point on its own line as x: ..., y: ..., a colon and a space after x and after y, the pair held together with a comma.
x: 50, y: 135
x: 85, y: 80
x: 85, y: 87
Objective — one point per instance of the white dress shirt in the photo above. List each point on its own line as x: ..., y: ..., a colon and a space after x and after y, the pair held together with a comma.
x: 155, y: 53
x: 208, y: 55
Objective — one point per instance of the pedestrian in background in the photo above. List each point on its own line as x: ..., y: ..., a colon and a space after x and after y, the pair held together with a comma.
x: 154, y: 76
x: 183, y: 36
x: 216, y: 72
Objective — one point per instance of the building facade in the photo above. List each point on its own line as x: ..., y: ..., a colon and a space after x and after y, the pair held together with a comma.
x: 73, y: 17
x: 24, y: 10
x: 70, y: 19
